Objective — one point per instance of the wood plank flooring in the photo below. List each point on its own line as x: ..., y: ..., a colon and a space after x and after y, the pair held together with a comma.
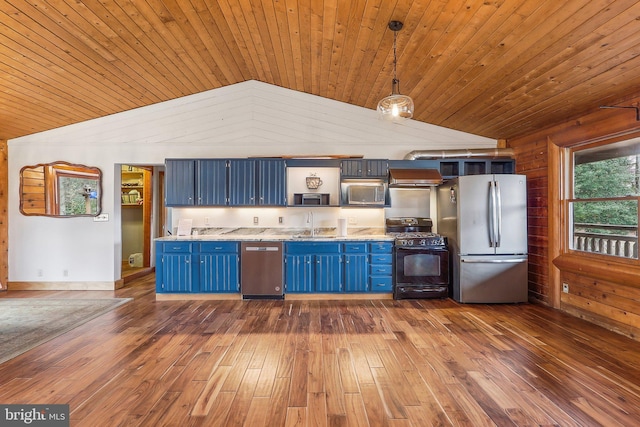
x: 328, y: 363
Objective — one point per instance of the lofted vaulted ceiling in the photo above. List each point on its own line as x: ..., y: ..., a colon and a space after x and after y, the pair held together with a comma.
x: 496, y: 68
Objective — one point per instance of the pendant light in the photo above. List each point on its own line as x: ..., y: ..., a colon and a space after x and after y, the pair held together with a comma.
x: 395, y: 106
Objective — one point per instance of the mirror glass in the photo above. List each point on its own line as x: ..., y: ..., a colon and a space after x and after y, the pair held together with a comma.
x: 60, y: 189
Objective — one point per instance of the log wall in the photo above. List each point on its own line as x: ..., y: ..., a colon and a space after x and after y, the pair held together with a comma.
x: 603, y: 290
x: 4, y: 215
x: 532, y: 162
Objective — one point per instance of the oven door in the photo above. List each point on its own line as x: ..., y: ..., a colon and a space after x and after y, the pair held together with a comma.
x: 421, y: 266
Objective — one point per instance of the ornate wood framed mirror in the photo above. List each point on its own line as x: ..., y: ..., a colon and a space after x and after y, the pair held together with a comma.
x: 60, y: 189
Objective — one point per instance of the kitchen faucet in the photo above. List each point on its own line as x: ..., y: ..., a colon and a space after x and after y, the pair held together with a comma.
x: 310, y: 222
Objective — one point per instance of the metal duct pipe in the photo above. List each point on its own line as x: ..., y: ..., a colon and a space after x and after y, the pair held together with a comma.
x: 487, y: 153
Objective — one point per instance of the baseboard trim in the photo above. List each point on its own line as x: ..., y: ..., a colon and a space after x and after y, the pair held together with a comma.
x: 292, y: 297
x: 196, y: 297
x: 338, y: 297
x: 61, y: 286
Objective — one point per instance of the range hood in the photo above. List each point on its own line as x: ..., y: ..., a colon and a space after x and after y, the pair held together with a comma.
x: 414, y: 178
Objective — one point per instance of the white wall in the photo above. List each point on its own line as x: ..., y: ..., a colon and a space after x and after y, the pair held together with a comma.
x: 246, y: 119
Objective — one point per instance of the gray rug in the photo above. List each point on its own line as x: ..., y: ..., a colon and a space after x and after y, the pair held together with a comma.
x: 28, y: 322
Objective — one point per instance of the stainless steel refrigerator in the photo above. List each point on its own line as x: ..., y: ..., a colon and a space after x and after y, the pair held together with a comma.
x: 485, y: 221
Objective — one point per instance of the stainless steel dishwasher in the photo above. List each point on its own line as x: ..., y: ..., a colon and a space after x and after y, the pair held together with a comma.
x: 261, y: 270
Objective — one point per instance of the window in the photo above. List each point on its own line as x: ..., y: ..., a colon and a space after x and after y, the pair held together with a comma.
x: 604, y: 205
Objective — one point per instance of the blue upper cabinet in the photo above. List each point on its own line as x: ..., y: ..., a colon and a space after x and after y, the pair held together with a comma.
x: 364, y: 168
x: 180, y: 182
x: 242, y: 182
x: 222, y: 182
x: 211, y: 182
x: 272, y: 182
x: 196, y: 182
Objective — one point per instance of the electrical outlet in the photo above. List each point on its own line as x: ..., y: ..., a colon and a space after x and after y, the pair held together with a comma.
x: 565, y: 288
x: 255, y: 220
x: 65, y: 272
x: 40, y: 273
x: 280, y: 220
x: 353, y: 220
x: 207, y: 220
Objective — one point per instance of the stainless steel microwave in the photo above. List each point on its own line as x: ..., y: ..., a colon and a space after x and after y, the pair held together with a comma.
x: 364, y: 192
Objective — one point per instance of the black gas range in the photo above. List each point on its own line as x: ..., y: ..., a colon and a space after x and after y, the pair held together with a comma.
x: 421, y: 259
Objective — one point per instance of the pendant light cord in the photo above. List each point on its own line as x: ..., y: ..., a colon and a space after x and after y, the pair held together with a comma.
x: 395, y: 58
x: 395, y: 84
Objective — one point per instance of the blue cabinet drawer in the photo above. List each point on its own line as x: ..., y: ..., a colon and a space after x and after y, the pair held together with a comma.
x: 380, y: 259
x: 380, y: 270
x: 380, y: 284
x: 176, y: 247
x: 219, y: 247
x: 355, y: 247
x: 381, y: 247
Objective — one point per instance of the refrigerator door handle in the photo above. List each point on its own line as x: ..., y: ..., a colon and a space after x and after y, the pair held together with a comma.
x: 494, y: 261
x: 492, y: 214
x: 498, y: 208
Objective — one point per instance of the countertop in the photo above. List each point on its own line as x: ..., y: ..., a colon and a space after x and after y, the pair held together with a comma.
x: 280, y: 234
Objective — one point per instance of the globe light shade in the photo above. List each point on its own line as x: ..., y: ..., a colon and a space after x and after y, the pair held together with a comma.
x: 395, y: 107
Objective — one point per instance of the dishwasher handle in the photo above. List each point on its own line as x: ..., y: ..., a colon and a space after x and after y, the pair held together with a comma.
x: 261, y: 248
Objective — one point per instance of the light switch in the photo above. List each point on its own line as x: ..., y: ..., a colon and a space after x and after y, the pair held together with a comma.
x: 101, y: 218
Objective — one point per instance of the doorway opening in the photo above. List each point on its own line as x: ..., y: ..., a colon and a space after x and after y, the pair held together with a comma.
x: 136, y: 221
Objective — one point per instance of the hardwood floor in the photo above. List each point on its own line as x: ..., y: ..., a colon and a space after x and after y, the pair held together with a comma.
x: 328, y: 363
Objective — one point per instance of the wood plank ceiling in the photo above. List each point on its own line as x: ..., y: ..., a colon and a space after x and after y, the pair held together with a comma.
x: 497, y: 68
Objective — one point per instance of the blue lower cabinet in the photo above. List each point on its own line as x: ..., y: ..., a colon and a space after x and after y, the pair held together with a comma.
x: 381, y: 284
x: 310, y: 267
x: 219, y: 267
x: 299, y: 273
x: 313, y: 267
x: 219, y: 273
x: 356, y: 266
x: 188, y: 267
x: 177, y: 274
x: 356, y: 273
x: 174, y: 267
x: 328, y: 273
x: 381, y: 267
